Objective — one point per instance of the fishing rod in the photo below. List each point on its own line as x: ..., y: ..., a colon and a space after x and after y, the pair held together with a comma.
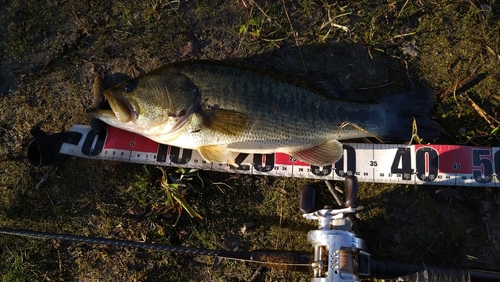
x: 340, y: 254
x: 276, y: 259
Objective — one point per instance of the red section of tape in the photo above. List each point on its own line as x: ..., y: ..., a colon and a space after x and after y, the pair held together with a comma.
x: 285, y: 159
x: 119, y: 139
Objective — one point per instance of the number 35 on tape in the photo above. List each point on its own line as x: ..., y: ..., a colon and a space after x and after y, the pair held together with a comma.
x: 381, y: 163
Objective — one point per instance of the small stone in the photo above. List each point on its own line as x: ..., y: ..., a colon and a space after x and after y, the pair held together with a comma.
x: 411, y: 49
x: 245, y: 227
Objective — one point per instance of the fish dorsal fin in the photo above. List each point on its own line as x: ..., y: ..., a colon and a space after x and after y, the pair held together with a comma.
x: 326, y: 153
x: 217, y: 154
x: 226, y: 122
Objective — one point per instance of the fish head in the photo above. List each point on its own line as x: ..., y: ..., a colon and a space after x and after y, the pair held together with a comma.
x: 153, y: 104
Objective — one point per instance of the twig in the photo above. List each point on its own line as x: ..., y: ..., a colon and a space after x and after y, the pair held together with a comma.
x: 403, y: 8
x: 250, y: 14
x: 295, y: 36
x: 337, y: 188
x: 403, y: 35
x: 332, y: 24
x: 407, y: 73
x: 339, y: 200
x: 264, y: 13
x: 49, y: 172
x: 482, y: 113
x: 81, y: 23
x: 414, y: 133
x: 492, y: 51
x: 494, y: 253
x: 376, y: 86
x: 487, y: 230
x: 366, y: 140
x: 177, y: 12
x: 256, y: 274
x: 462, y: 86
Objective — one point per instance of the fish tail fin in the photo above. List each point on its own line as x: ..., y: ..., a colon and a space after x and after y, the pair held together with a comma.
x: 406, y: 109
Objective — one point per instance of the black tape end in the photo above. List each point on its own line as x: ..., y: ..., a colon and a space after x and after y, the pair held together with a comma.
x: 41, y: 151
x: 45, y: 148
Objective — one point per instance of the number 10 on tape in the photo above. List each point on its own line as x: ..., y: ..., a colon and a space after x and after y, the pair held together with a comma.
x: 382, y: 163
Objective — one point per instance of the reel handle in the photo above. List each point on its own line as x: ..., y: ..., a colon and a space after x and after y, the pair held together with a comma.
x: 307, y: 199
x: 351, y: 191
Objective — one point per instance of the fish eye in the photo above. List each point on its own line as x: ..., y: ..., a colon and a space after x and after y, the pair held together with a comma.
x: 130, y: 85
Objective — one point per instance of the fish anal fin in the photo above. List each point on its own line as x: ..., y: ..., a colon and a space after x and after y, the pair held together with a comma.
x: 226, y: 122
x: 326, y: 153
x: 217, y: 154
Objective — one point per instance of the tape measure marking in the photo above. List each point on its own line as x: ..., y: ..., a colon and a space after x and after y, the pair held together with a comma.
x: 382, y: 163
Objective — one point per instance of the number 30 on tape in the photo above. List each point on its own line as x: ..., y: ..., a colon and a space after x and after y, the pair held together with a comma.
x: 382, y: 163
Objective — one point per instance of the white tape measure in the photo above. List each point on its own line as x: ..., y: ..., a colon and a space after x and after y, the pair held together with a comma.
x: 382, y: 163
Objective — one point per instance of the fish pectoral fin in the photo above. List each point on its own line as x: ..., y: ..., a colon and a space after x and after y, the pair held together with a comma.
x: 223, y: 121
x: 326, y: 153
x: 217, y: 154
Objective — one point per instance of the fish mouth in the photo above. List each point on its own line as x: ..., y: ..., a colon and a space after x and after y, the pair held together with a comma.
x: 103, y: 114
x: 121, y: 108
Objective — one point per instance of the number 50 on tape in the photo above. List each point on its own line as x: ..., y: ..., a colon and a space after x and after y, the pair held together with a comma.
x: 382, y: 163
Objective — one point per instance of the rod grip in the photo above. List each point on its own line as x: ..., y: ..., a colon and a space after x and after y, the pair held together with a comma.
x: 419, y: 272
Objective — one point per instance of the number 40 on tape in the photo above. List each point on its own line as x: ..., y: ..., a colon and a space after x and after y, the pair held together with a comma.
x: 382, y: 163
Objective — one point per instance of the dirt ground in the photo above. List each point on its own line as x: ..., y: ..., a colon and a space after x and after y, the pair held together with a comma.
x: 52, y: 50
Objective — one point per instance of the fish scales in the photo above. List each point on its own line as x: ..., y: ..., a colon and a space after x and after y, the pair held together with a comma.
x: 219, y: 108
x: 279, y: 110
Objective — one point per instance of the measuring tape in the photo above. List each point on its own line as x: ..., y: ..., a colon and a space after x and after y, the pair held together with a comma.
x: 452, y: 165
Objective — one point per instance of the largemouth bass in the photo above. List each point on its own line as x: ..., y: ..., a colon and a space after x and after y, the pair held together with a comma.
x: 220, y: 108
